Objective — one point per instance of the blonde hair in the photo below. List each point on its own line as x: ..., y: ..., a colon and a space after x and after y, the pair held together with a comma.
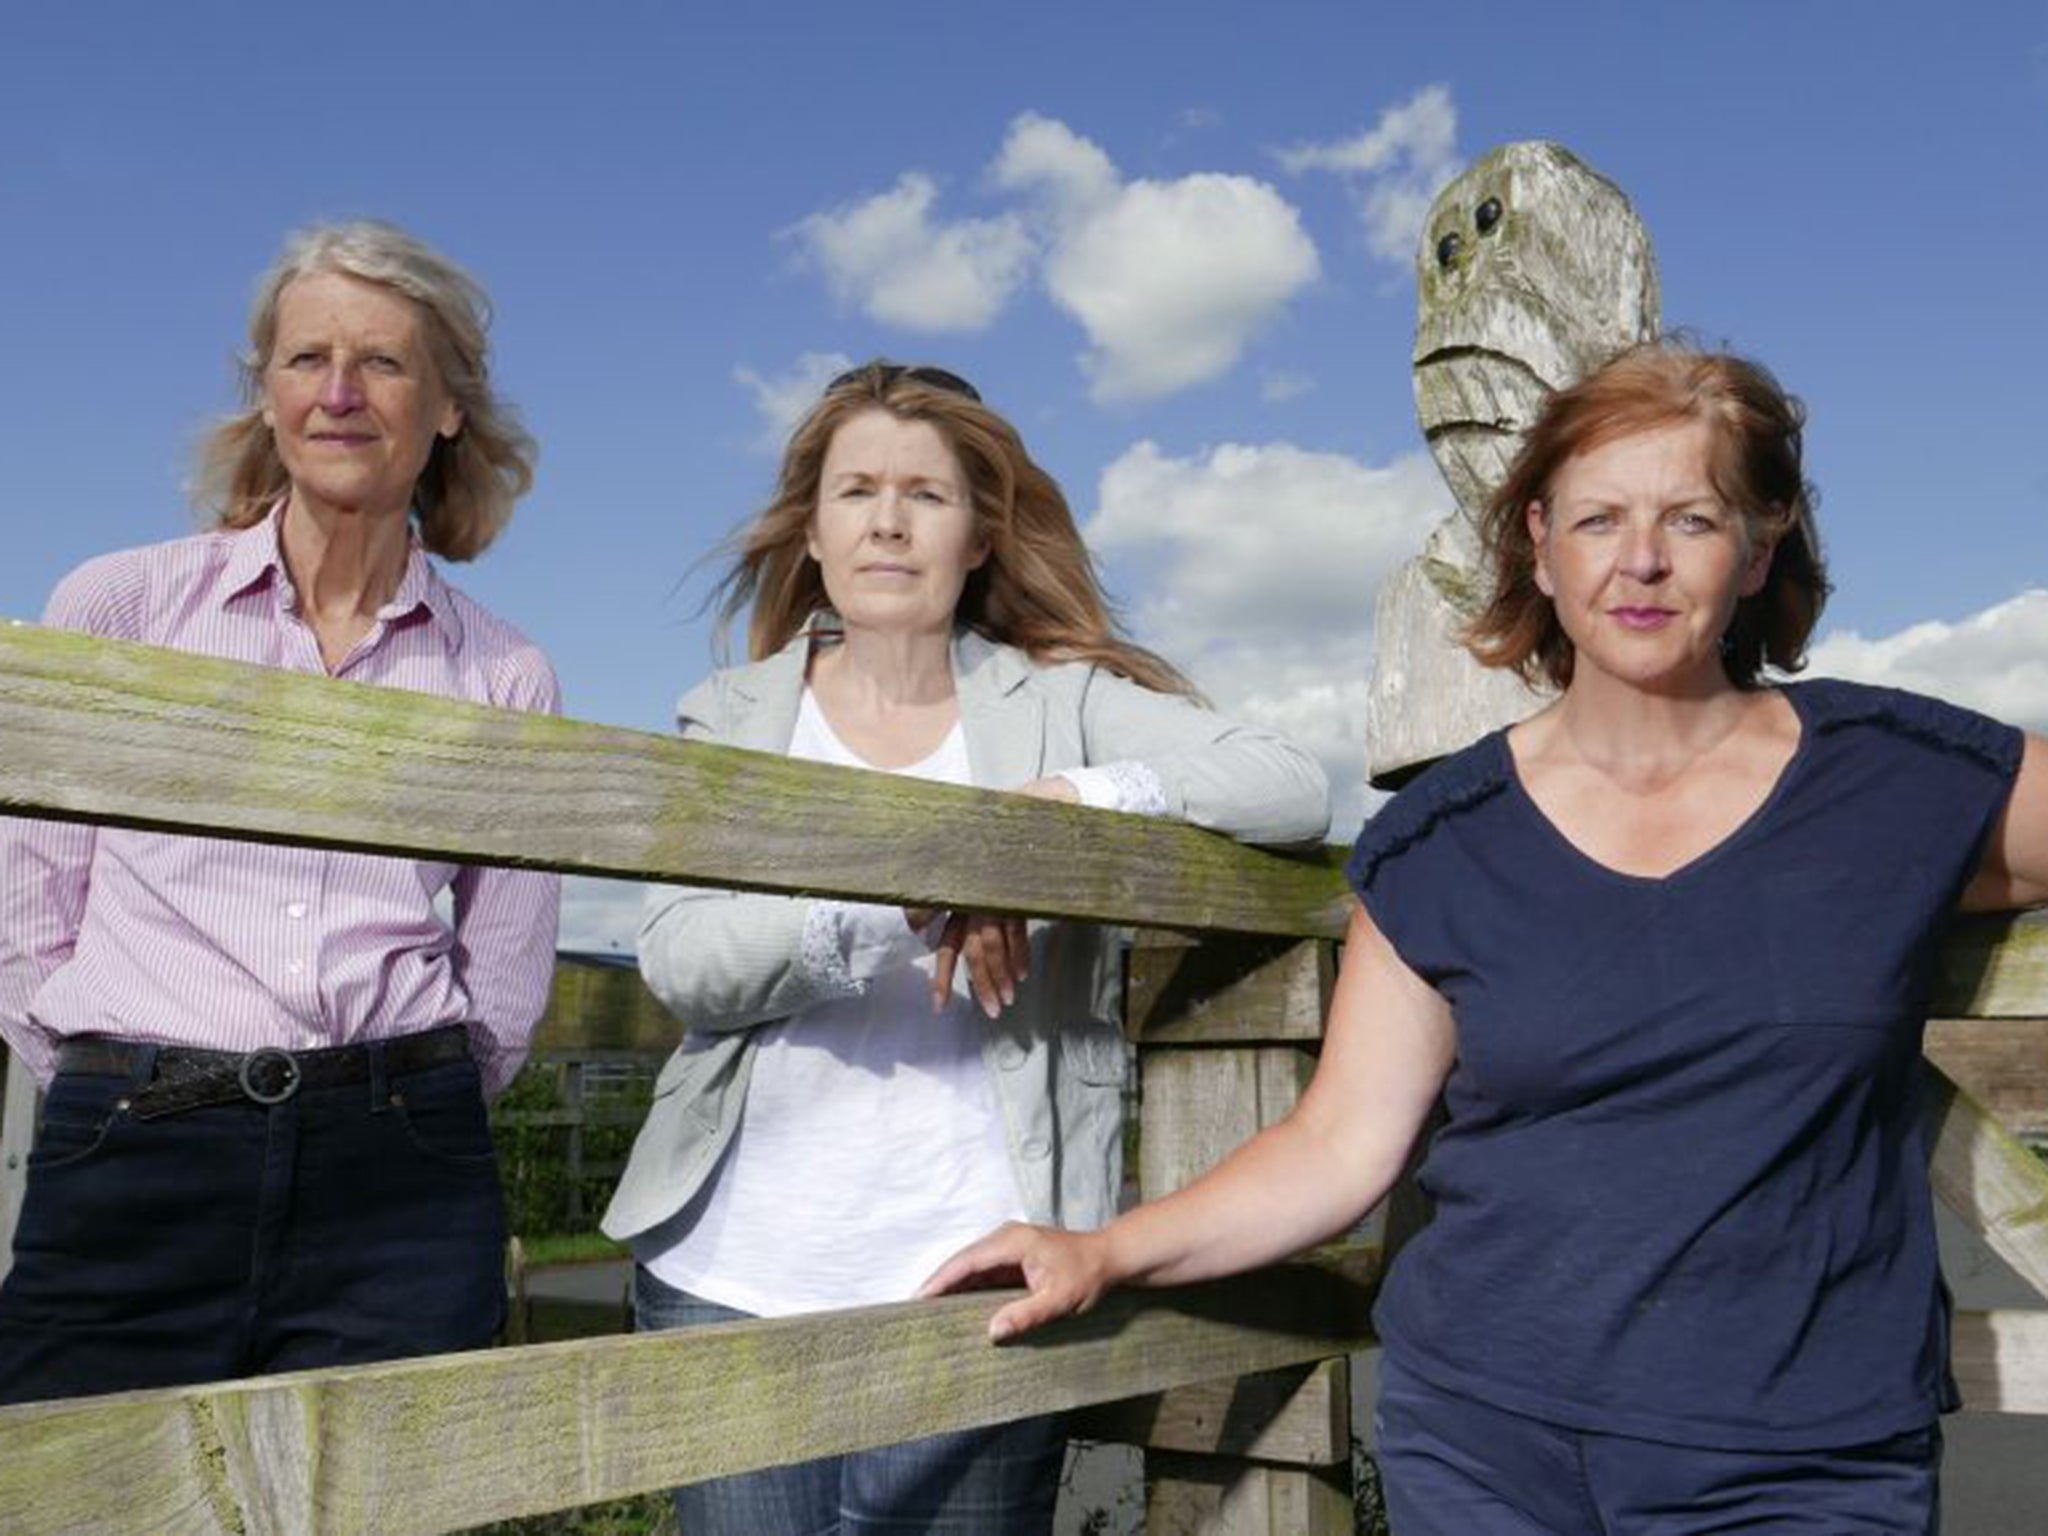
x: 1753, y: 460
x: 464, y: 495
x: 1037, y: 590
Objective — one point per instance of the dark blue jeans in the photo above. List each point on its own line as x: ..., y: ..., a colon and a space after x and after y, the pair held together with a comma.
x: 1452, y: 1466
x: 350, y: 1223
x: 999, y: 1481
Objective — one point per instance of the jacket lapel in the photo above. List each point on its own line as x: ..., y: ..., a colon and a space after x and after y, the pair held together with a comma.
x: 1003, y: 721
x: 764, y: 698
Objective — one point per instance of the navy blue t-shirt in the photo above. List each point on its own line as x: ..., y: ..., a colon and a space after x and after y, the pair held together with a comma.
x: 1682, y: 1190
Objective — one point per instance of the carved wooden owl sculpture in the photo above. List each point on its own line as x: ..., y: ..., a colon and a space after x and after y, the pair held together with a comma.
x: 1532, y: 269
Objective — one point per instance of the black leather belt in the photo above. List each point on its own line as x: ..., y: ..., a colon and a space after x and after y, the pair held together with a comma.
x: 189, y: 1078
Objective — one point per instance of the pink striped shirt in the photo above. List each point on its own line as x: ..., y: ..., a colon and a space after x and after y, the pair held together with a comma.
x: 232, y: 946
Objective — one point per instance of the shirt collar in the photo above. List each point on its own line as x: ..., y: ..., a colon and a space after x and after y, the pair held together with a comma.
x: 257, y: 560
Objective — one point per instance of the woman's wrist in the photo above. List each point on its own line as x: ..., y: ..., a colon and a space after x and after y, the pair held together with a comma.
x: 1121, y: 1257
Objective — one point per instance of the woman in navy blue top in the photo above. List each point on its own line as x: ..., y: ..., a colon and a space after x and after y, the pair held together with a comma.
x: 1664, y: 950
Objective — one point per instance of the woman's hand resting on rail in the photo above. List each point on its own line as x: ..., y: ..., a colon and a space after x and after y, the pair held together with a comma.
x: 996, y: 950
x: 1066, y: 1273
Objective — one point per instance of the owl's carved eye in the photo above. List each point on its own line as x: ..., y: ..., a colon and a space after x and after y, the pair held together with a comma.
x: 1447, y: 249
x: 1487, y: 215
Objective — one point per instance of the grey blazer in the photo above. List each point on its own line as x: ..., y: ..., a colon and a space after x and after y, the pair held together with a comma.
x: 724, y: 961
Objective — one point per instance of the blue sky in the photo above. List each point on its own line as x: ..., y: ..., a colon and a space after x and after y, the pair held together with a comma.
x: 1105, y: 216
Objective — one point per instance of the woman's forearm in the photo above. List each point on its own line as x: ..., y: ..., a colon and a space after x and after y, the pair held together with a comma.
x: 1288, y: 1188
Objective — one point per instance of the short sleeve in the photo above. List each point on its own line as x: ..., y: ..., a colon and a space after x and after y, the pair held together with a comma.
x: 1950, y: 770
x: 1392, y: 868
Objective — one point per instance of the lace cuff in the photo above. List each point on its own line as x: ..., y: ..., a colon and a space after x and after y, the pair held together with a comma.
x: 847, y: 944
x: 1125, y: 786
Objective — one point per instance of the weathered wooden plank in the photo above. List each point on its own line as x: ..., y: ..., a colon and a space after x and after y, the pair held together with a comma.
x: 2003, y: 1063
x: 1996, y: 1185
x: 453, y: 1441
x: 1214, y: 1496
x: 2000, y: 1361
x: 1197, y: 1104
x: 1300, y: 1416
x: 1243, y: 992
x: 1994, y: 967
x: 99, y: 730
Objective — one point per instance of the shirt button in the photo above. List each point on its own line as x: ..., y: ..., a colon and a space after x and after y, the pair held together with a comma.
x: 1010, y: 1055
x: 293, y: 967
x: 1035, y: 1149
x: 309, y: 1042
x: 295, y: 909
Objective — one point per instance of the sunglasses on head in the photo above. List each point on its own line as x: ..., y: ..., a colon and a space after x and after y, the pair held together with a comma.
x: 918, y: 373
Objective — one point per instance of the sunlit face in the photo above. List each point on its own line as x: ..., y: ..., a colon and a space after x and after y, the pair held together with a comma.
x: 894, y: 532
x: 352, y: 396
x: 1643, y: 561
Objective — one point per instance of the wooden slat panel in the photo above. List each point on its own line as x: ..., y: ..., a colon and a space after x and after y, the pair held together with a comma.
x: 1996, y: 1185
x: 2002, y: 1062
x: 99, y: 730
x: 1995, y: 967
x: 1298, y: 1416
x: 1212, y: 1496
x: 458, y: 1440
x: 1197, y: 1104
x: 1245, y: 992
x: 2001, y: 1361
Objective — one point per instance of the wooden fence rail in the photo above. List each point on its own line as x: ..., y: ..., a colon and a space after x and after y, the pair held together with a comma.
x: 123, y: 734
x: 457, y: 1440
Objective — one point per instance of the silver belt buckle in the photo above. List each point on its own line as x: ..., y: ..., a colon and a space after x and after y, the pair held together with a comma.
x: 276, y: 1071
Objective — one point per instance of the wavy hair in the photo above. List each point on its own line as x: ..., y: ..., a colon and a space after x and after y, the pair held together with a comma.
x: 1753, y: 463
x: 1037, y: 590
x: 464, y: 495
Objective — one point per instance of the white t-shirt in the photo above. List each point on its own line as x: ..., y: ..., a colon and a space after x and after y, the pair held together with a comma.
x: 871, y: 1145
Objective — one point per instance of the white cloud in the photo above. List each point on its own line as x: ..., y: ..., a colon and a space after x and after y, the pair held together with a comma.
x: 783, y: 399
x: 888, y: 256
x: 600, y: 916
x: 1995, y: 661
x: 1170, y: 279
x: 1397, y: 167
x: 1264, y: 564
x: 1042, y: 155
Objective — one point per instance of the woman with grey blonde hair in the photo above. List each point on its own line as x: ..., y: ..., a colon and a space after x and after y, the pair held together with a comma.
x: 466, y: 489
x: 264, y: 1144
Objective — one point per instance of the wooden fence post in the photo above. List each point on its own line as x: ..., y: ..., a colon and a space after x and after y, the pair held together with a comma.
x: 572, y: 1101
x: 17, y: 1135
x: 1227, y: 1032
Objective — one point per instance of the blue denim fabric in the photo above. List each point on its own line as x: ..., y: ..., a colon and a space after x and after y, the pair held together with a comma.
x: 999, y: 1481
x: 352, y: 1223
x: 1451, y: 1466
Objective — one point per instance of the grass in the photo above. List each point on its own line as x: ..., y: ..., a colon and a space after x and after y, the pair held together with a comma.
x: 571, y: 1248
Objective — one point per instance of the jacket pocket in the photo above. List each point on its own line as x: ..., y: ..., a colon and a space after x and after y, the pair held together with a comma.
x: 1095, y: 1052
